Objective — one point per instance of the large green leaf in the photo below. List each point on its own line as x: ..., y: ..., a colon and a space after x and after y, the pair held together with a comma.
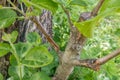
x: 40, y: 76
x: 7, y: 17
x: 110, y: 4
x: 78, y: 2
x: 4, y: 49
x: 39, y: 4
x: 37, y: 57
x: 87, y: 27
x: 10, y: 37
x: 109, y: 7
x: 33, y: 38
x: 22, y: 49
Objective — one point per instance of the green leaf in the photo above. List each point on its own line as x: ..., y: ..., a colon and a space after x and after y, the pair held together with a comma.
x: 22, y: 49
x: 87, y: 27
x: 33, y: 38
x: 110, y: 4
x: 7, y: 17
x: 14, y: 71
x: 1, y: 77
x: 14, y: 36
x: 40, y: 76
x: 47, y: 4
x: 39, y: 4
x: 50, y: 69
x: 109, y: 7
x: 78, y: 2
x: 13, y: 60
x: 4, y: 49
x: 37, y: 57
x: 10, y: 37
x: 28, y: 72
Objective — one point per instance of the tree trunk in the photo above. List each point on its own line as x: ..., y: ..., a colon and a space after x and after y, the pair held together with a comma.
x: 72, y: 52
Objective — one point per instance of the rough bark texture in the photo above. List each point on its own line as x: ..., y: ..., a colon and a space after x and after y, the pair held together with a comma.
x: 72, y: 52
x: 46, y: 19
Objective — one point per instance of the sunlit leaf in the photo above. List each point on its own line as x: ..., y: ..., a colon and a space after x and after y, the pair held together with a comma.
x: 109, y: 7
x: 10, y: 37
x: 14, y: 36
x: 37, y: 57
x: 87, y: 27
x: 110, y: 4
x: 40, y: 76
x: 7, y: 17
x: 1, y: 77
x: 4, y: 49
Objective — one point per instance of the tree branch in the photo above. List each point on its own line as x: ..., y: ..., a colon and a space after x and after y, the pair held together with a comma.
x: 50, y: 40
x: 96, y: 9
x: 68, y: 16
x: 39, y: 26
x: 88, y: 63
x: 108, y: 57
x: 95, y: 63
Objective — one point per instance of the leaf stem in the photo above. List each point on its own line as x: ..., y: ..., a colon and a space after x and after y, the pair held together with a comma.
x: 17, y: 9
x: 14, y: 52
x: 20, y: 71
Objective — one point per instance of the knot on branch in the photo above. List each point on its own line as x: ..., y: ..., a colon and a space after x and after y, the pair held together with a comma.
x: 85, y: 16
x: 93, y: 64
x: 88, y: 63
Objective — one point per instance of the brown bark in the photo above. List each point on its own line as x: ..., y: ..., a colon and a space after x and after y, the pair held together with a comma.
x: 72, y: 52
x: 74, y: 46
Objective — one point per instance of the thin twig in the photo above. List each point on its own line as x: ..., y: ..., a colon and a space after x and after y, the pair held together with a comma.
x: 108, y: 57
x: 40, y: 27
x: 68, y: 16
x: 16, y: 8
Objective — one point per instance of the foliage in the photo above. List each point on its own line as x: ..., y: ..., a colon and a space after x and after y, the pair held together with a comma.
x: 29, y: 55
x: 105, y: 41
x: 24, y: 54
x: 8, y: 17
